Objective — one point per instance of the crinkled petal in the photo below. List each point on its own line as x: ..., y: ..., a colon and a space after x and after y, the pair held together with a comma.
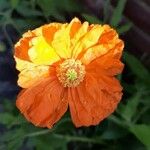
x: 44, y: 103
x: 62, y: 39
x: 23, y: 45
x: 108, y: 40
x: 48, y: 31
x: 79, y: 33
x: 108, y: 64
x: 41, y: 53
x: 30, y: 73
x: 91, y: 101
x: 88, y: 40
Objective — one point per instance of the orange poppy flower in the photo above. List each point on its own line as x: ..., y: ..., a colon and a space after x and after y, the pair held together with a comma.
x: 71, y: 65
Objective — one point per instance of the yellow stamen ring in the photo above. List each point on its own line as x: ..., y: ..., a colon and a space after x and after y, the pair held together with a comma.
x: 71, y: 72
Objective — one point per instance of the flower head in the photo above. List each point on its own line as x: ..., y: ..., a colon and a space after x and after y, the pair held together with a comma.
x: 69, y: 65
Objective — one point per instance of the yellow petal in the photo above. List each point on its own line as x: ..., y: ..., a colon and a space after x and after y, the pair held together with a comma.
x: 62, y: 40
x: 41, y: 52
x: 93, y: 53
x: 30, y: 73
x: 81, y: 32
x: 107, y: 41
x: 88, y: 40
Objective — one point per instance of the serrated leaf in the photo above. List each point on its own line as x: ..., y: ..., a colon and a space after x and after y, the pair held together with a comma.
x: 50, y: 142
x: 142, y: 132
x: 117, y: 13
x: 13, y: 139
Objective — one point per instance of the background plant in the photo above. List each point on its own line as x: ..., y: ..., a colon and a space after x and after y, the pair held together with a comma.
x: 127, y: 128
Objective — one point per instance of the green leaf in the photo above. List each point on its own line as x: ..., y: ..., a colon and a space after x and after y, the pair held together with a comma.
x: 28, y: 12
x: 50, y: 142
x: 142, y: 132
x: 2, y: 46
x: 106, y: 10
x: 137, y: 68
x: 14, y: 3
x: 47, y: 6
x: 4, y: 4
x: 117, y: 14
x: 124, y: 28
x: 18, y: 120
x: 129, y: 110
x: 6, y: 118
x: 54, y: 9
x: 113, y: 132
x: 13, y: 138
x: 92, y: 19
x: 69, y: 5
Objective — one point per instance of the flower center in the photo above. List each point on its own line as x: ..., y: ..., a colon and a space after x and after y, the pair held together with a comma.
x: 71, y: 72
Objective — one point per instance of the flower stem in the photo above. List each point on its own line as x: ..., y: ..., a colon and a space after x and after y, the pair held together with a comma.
x: 79, y: 138
x: 66, y: 137
x: 42, y: 132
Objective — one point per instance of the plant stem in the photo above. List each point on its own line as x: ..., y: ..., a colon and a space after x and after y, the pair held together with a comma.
x: 140, y: 114
x: 79, y: 138
x: 42, y: 132
x: 66, y: 137
x: 7, y: 36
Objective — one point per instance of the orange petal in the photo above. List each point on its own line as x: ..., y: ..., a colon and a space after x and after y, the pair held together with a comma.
x: 62, y: 41
x: 30, y: 73
x: 49, y: 31
x: 74, y: 27
x: 41, y: 53
x: 91, y: 102
x: 23, y: 45
x: 89, y: 39
x: 109, y: 63
x: 44, y: 103
x: 79, y: 33
x: 107, y: 41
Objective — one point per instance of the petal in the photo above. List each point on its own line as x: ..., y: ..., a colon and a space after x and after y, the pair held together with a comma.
x: 44, y: 103
x: 74, y: 27
x: 23, y: 45
x: 80, y: 32
x: 91, y: 101
x: 79, y: 114
x: 107, y: 41
x: 61, y: 40
x: 48, y: 31
x: 41, y: 53
x: 30, y: 73
x: 109, y: 63
x: 88, y: 40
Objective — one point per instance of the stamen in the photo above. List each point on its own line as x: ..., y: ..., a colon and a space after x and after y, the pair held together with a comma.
x: 71, y: 72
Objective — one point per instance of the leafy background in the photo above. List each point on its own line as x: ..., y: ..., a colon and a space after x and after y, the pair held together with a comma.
x: 127, y: 128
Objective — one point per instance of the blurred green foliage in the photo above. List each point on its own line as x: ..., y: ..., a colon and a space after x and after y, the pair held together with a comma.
x: 128, y: 128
